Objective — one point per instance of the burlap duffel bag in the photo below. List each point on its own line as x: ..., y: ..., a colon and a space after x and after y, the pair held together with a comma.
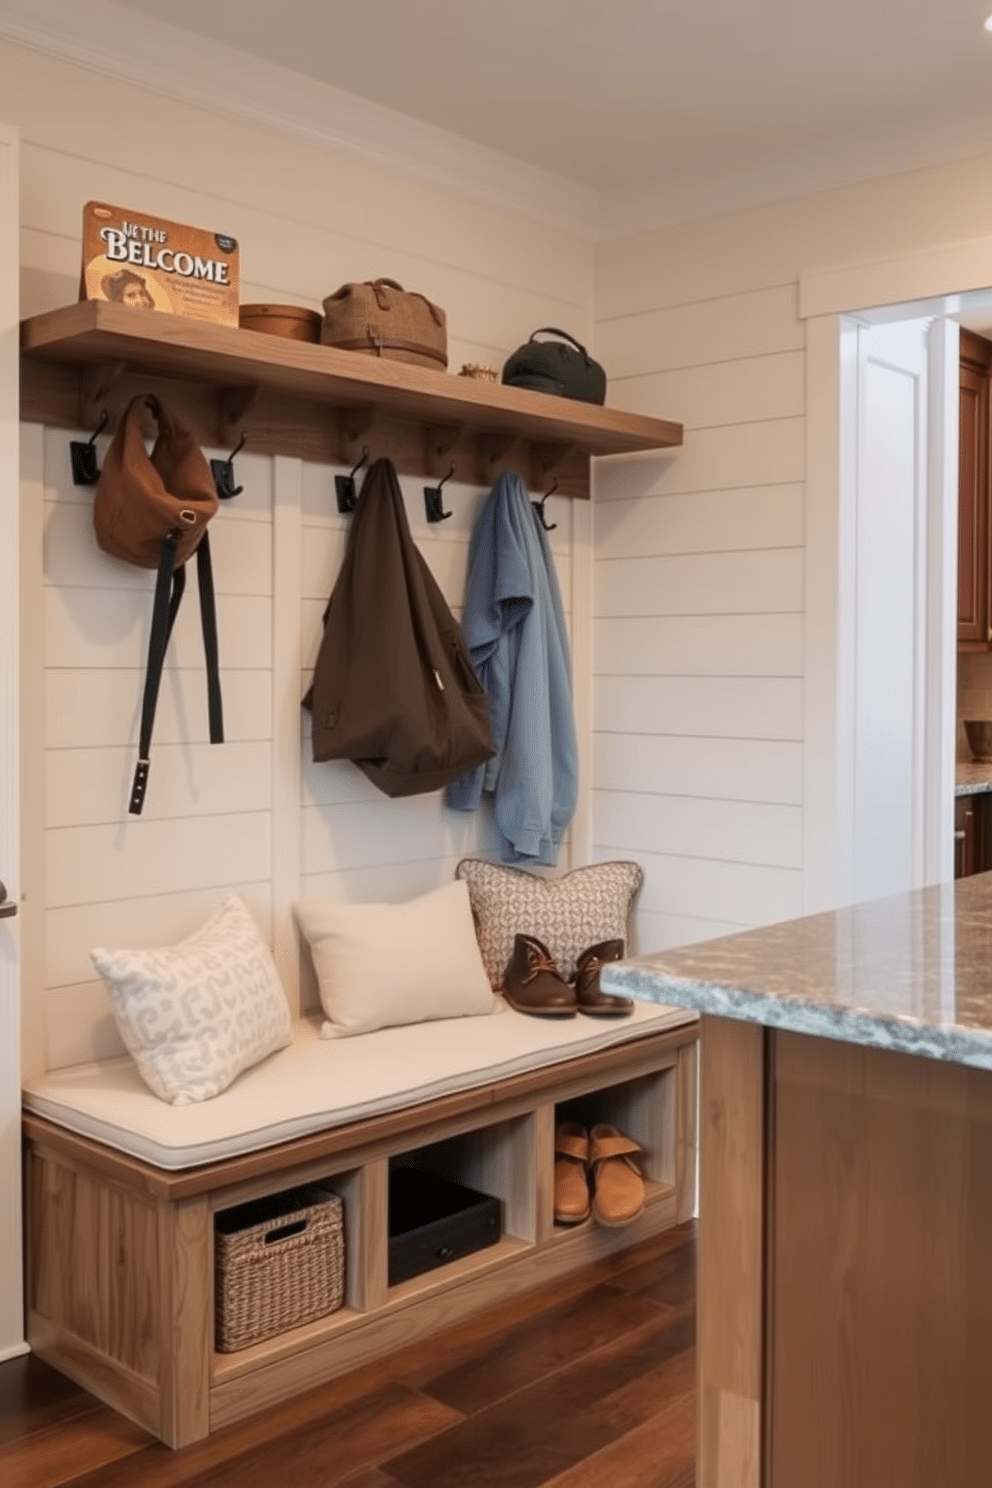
x: 381, y: 318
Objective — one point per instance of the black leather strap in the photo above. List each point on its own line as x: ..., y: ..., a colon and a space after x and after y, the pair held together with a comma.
x: 170, y: 586
x: 208, y: 624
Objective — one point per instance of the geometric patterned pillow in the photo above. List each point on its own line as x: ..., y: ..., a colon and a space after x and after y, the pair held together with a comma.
x: 194, y: 1015
x: 569, y: 914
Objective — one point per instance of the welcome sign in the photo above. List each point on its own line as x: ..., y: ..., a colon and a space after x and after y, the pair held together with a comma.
x: 150, y: 263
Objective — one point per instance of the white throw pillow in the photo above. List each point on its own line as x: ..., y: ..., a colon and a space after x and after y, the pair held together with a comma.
x: 194, y: 1015
x: 379, y: 965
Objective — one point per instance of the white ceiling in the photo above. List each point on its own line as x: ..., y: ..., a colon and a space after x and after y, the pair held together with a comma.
x: 623, y: 93
x: 684, y: 106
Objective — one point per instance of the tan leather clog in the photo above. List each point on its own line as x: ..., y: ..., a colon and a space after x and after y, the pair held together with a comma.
x: 618, y: 1186
x: 571, y: 1174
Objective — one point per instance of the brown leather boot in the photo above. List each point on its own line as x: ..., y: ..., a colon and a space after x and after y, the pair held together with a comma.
x: 532, y: 983
x: 588, y: 993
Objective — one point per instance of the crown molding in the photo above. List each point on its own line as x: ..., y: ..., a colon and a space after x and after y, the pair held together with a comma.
x: 106, y: 38
x: 150, y: 54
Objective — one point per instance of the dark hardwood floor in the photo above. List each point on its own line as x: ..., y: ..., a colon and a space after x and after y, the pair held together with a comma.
x: 589, y: 1383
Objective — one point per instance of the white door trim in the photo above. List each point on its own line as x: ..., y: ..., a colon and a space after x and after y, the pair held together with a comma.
x: 11, y: 1287
x: 887, y: 507
x: 928, y: 274
x: 827, y: 697
x: 942, y: 541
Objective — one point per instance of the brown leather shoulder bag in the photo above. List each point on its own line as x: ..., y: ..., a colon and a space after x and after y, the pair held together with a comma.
x: 153, y: 511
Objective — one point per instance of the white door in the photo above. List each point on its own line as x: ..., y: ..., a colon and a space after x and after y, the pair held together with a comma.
x: 889, y: 615
x: 11, y: 1310
x: 892, y: 618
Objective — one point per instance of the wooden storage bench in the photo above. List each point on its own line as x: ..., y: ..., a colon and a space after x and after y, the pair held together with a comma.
x: 120, y: 1247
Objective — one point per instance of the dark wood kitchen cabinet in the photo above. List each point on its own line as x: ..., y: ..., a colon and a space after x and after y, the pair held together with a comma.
x: 972, y: 834
x: 974, y: 528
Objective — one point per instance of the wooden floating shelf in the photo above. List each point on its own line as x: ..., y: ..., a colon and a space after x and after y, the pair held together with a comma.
x: 295, y: 398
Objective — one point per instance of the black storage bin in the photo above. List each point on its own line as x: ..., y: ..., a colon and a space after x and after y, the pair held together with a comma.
x: 433, y: 1221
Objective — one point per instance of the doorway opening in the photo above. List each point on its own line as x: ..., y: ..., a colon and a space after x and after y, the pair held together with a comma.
x: 881, y: 648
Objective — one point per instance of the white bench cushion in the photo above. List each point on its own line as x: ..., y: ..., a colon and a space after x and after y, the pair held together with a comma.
x: 315, y: 1084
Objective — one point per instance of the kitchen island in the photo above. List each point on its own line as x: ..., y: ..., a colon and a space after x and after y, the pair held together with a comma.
x: 845, y: 1253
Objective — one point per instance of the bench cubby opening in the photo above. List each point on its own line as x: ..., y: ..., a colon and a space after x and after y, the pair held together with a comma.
x: 496, y: 1159
x: 642, y: 1109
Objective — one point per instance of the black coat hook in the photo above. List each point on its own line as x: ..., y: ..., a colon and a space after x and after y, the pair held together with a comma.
x: 345, y: 487
x: 223, y: 473
x: 434, y: 500
x: 539, y: 508
x: 83, y: 456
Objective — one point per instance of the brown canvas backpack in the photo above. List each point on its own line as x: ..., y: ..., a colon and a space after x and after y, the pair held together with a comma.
x: 394, y: 688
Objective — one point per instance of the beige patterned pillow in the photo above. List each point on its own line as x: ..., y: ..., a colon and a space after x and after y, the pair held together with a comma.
x: 195, y: 1014
x: 568, y: 914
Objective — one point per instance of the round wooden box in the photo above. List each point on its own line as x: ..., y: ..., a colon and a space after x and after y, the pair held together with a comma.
x: 294, y: 322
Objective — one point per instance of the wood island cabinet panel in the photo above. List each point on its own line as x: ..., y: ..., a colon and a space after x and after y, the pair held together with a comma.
x: 845, y: 1283
x: 731, y: 1253
x: 880, y: 1314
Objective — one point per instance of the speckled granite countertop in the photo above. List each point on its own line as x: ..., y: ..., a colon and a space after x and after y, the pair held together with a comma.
x: 912, y: 973
x: 972, y: 777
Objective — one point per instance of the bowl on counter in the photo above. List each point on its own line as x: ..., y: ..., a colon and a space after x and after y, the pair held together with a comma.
x: 979, y: 733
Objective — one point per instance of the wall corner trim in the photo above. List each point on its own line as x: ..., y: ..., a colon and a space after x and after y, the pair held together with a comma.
x: 937, y: 271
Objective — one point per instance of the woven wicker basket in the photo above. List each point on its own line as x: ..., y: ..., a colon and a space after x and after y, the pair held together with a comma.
x: 278, y: 1263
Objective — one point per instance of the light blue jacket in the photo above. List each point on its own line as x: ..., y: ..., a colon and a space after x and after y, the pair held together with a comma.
x: 514, y: 625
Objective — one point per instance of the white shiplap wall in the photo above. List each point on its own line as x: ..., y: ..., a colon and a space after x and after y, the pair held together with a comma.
x: 206, y: 830
x: 254, y: 815
x: 716, y: 714
x: 698, y: 613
